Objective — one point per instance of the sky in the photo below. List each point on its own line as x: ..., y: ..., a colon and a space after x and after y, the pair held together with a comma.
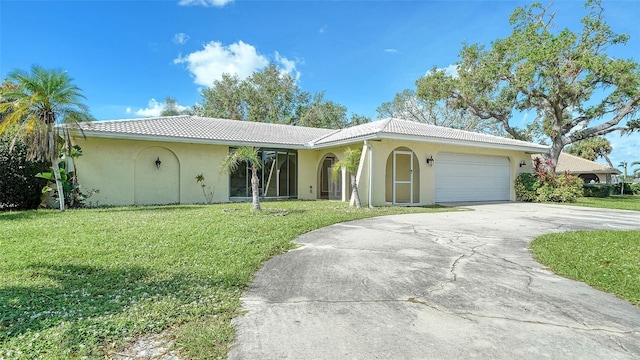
x: 127, y: 56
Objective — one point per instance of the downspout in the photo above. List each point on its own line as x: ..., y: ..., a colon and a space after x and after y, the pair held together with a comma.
x: 370, y: 195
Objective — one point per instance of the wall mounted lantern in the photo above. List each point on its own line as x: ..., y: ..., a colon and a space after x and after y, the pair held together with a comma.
x: 158, y: 162
x: 430, y: 160
x: 523, y: 163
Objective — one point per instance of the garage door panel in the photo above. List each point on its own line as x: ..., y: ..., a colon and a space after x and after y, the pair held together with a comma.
x: 468, y: 177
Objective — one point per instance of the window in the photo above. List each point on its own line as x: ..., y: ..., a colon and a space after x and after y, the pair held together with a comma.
x: 278, y: 175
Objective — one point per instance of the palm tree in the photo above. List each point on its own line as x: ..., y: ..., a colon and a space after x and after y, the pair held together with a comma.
x: 350, y: 163
x: 37, y: 102
x: 624, y: 165
x: 248, y: 155
x: 636, y: 171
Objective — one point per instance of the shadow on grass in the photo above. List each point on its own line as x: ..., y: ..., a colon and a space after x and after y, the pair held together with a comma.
x: 19, y: 215
x: 81, y: 292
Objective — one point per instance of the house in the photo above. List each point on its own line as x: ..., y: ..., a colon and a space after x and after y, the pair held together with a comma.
x: 155, y: 161
x: 587, y: 170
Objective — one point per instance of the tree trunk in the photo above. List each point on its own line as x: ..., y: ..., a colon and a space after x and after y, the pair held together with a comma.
x: 354, y: 194
x: 606, y: 158
x: 54, y: 166
x: 255, y: 191
x: 554, y: 153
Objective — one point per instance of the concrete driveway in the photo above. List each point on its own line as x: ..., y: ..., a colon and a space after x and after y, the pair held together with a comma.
x: 459, y: 285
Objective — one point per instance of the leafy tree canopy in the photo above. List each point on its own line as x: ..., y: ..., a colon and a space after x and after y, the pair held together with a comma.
x: 592, y: 148
x: 272, y: 96
x: 576, y: 88
x: 408, y: 106
x: 170, y: 107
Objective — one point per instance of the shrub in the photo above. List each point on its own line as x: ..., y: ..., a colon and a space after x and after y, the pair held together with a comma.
x: 525, y: 187
x: 597, y: 190
x: 564, y: 188
x: 545, y: 185
x: 629, y: 189
x: 19, y: 188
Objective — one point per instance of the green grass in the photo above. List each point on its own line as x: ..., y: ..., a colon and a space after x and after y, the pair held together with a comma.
x: 85, y: 283
x: 626, y: 202
x: 607, y: 260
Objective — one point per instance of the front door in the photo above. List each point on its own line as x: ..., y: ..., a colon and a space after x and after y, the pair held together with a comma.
x: 402, y: 177
x: 329, y: 189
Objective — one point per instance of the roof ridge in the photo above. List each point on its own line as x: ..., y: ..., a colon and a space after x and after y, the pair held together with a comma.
x: 314, y: 141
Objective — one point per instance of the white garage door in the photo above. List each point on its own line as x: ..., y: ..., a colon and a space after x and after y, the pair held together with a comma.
x: 465, y: 177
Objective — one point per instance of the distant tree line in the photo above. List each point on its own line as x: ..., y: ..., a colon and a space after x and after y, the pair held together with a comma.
x: 269, y: 95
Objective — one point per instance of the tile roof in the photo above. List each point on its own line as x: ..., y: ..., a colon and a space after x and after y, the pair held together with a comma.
x: 578, y: 165
x: 400, y: 127
x: 208, y: 129
x: 202, y: 129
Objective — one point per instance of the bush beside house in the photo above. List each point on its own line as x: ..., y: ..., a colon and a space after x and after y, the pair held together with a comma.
x: 598, y: 190
x: 19, y: 187
x: 545, y: 185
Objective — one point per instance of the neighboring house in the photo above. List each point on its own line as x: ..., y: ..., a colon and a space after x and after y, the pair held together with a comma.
x: 587, y: 170
x: 155, y: 161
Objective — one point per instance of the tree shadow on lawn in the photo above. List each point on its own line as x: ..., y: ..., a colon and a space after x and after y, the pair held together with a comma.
x: 80, y: 293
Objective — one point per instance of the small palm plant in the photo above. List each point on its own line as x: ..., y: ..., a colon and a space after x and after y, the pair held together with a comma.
x: 350, y: 163
x: 34, y: 102
x: 248, y: 155
x: 206, y: 190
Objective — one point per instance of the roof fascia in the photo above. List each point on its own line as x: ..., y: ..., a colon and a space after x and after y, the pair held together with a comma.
x: 186, y: 140
x: 426, y: 139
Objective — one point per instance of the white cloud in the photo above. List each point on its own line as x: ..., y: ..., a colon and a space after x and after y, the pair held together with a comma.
x: 288, y: 66
x: 205, y: 3
x: 180, y: 38
x: 208, y: 64
x: 153, y: 109
x: 451, y: 70
x: 391, y: 51
x: 128, y: 110
x: 241, y: 59
x: 322, y: 29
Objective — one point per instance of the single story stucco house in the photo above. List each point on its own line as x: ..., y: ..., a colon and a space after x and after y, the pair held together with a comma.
x: 155, y: 161
x: 587, y: 170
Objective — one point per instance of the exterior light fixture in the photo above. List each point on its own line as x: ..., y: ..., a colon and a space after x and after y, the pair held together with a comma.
x: 523, y: 163
x: 430, y: 160
x: 311, y: 189
x: 158, y: 162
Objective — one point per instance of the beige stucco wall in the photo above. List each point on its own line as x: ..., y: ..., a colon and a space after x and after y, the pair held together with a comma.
x: 382, y: 149
x: 309, y: 163
x: 124, y: 171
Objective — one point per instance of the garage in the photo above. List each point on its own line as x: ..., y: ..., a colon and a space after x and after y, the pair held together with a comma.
x: 467, y: 177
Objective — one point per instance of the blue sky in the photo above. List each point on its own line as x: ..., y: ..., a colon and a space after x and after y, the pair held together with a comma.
x: 127, y: 56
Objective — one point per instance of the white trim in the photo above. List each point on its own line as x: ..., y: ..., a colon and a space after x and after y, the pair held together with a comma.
x: 189, y: 140
x: 535, y: 149
x: 384, y: 136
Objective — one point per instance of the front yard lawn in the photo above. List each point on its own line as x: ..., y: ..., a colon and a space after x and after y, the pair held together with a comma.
x: 626, y: 202
x: 605, y: 259
x: 85, y: 283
